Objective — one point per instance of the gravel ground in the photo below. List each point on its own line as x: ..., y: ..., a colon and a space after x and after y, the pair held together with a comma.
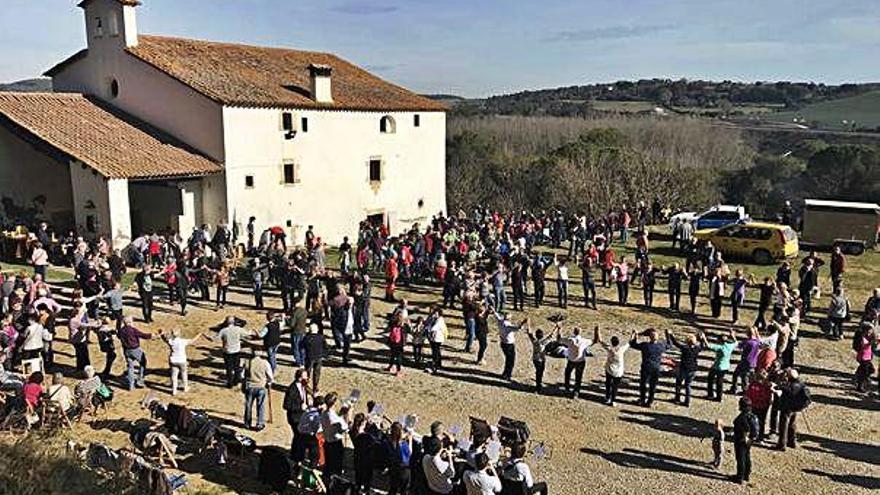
x: 595, y: 449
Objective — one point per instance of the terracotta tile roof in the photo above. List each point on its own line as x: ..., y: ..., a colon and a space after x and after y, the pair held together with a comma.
x: 114, y: 144
x: 251, y: 76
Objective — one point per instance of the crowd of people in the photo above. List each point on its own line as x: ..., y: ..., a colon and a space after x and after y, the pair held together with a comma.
x: 477, y: 259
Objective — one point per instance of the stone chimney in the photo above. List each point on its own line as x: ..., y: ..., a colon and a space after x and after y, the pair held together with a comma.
x: 319, y: 78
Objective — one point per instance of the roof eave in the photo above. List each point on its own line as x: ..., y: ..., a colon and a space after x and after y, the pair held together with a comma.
x: 190, y: 175
x: 55, y: 69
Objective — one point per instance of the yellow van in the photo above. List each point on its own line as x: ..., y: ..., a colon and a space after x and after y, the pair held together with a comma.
x: 760, y: 242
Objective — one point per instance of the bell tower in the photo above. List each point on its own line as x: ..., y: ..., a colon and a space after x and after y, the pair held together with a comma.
x: 110, y: 23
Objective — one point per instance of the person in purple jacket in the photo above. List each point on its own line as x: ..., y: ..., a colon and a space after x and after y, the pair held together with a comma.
x: 749, y: 349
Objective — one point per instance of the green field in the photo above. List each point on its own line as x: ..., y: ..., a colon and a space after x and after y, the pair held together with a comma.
x: 864, y: 109
x: 623, y: 106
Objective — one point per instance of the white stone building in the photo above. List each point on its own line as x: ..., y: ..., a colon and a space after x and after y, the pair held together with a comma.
x: 216, y: 131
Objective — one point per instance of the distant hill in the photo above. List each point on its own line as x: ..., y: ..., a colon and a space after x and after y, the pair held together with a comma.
x: 681, y: 96
x: 861, y: 112
x: 448, y: 100
x: 28, y: 86
x: 442, y: 97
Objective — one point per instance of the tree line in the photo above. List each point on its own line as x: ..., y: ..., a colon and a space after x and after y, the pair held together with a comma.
x: 593, y: 165
x: 576, y: 101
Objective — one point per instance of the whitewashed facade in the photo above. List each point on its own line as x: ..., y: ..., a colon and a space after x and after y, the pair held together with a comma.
x: 320, y: 175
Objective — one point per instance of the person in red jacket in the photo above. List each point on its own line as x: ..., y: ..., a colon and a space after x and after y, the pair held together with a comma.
x: 760, y: 393
x: 607, y: 265
x: 406, y: 259
x: 391, y: 274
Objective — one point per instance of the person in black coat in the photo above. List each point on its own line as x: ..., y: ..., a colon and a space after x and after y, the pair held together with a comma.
x: 181, y: 285
x: 296, y: 400
x: 676, y: 276
x: 745, y: 431
x: 687, y: 366
x: 364, y: 453
x: 313, y: 345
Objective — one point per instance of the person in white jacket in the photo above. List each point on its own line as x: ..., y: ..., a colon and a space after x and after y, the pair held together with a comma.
x: 35, y: 336
x: 437, y: 336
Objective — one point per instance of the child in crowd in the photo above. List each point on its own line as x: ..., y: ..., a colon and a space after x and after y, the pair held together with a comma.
x: 718, y: 444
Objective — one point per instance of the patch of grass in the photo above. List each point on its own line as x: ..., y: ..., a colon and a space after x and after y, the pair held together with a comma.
x: 55, y: 274
x: 859, y: 281
x: 864, y: 109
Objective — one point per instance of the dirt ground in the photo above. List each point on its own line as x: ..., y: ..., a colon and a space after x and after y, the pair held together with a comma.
x: 595, y: 448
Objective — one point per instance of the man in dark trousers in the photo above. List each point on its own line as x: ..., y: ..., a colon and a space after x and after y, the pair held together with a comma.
x: 794, y: 397
x: 313, y: 354
x: 808, y: 280
x: 271, y: 335
x: 838, y: 267
x: 588, y: 281
x: 181, y: 287
x: 676, y: 276
x: 130, y: 338
x: 652, y: 354
x: 745, y: 430
x: 297, y: 400
x: 250, y: 234
x: 539, y: 269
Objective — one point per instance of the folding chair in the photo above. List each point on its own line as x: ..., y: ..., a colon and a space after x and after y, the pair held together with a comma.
x: 53, y: 416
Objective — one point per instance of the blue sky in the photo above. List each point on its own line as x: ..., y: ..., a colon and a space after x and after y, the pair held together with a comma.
x: 483, y: 47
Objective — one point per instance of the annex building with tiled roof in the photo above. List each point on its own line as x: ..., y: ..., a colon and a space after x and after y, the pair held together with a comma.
x: 147, y: 133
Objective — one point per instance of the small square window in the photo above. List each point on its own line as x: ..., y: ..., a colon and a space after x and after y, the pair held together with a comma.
x: 417, y: 120
x: 375, y: 170
x: 249, y: 181
x: 304, y: 124
x: 290, y: 173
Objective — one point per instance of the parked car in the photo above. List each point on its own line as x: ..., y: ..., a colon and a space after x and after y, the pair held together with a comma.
x: 680, y: 217
x: 760, y: 242
x: 719, y: 216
